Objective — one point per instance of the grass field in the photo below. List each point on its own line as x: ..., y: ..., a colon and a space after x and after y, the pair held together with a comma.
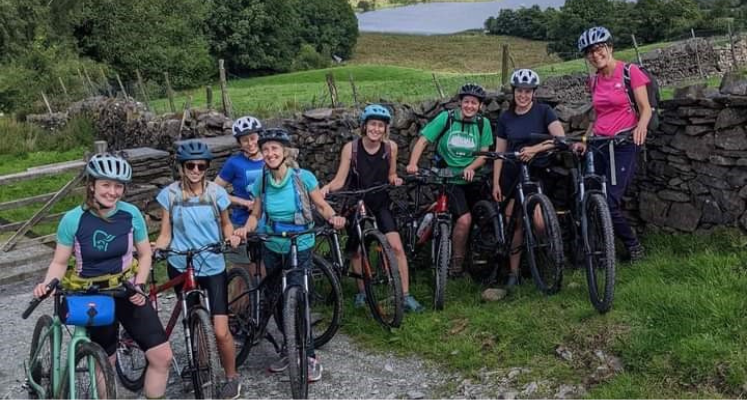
x: 379, y: 4
x: 679, y: 325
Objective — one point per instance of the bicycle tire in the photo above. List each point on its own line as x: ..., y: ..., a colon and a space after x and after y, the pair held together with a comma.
x: 294, y: 326
x: 484, y: 237
x: 599, y: 240
x: 381, y: 280
x: 544, y: 249
x: 206, y: 364
x: 241, y: 322
x: 442, y: 256
x: 84, y: 351
x: 40, y: 372
x: 127, y: 364
x: 325, y: 296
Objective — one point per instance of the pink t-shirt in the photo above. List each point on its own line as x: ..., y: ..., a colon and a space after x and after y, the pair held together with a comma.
x: 611, y: 103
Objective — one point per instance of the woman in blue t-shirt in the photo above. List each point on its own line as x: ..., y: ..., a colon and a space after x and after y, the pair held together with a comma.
x: 195, y: 214
x: 283, y: 197
x: 102, y: 235
x: 513, y: 133
x: 240, y: 171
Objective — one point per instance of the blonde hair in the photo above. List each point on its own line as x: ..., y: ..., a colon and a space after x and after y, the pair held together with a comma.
x: 290, y: 155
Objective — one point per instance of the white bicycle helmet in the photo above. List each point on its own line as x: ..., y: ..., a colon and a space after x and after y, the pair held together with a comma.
x: 108, y: 166
x: 592, y: 36
x: 245, y: 125
x: 525, y: 78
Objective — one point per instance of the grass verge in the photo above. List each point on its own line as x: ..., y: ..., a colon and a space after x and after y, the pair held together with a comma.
x: 679, y: 324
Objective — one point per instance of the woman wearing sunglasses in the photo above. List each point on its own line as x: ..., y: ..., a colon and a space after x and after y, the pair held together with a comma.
x: 195, y: 214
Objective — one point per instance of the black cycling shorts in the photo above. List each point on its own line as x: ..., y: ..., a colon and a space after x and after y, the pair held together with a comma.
x: 539, y: 173
x: 140, y: 322
x: 463, y: 197
x: 215, y: 285
x: 384, y: 221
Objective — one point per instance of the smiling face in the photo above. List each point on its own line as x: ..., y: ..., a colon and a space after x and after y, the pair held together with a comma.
x: 599, y: 55
x: 273, y: 153
x: 376, y: 129
x: 248, y: 144
x: 523, y: 97
x: 470, y: 105
x: 194, y: 170
x: 107, y: 192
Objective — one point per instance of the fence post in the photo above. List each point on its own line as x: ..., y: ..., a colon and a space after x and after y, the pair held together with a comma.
x: 106, y: 82
x: 83, y: 81
x: 90, y: 82
x: 438, y: 86
x: 46, y: 102
x: 142, y: 89
x: 169, y: 92
x: 355, y: 92
x: 64, y: 89
x: 121, y: 86
x: 99, y: 147
x: 504, y: 65
x: 332, y: 89
x: 185, y: 114
x: 734, y: 63
x: 697, y: 56
x: 224, y: 90
x: 637, y: 52
x: 209, y: 97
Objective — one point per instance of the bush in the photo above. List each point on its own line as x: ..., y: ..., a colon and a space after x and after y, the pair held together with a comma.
x: 18, y: 138
x: 328, y: 23
x: 309, y: 58
x: 364, y: 6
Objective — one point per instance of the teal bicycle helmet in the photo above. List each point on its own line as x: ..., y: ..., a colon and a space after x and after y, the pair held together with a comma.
x: 193, y: 150
x: 376, y: 111
x: 108, y: 166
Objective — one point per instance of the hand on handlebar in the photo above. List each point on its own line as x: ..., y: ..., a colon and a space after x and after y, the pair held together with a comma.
x: 41, y: 290
x: 412, y: 169
x: 468, y: 174
x: 234, y: 240
x: 337, y: 222
x: 395, y: 180
x: 579, y: 148
x: 324, y: 190
x: 527, y: 153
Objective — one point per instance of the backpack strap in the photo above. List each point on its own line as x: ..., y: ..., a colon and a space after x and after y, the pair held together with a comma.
x: 447, y: 126
x: 208, y: 197
x: 354, y: 156
x: 304, y: 214
x: 629, y: 87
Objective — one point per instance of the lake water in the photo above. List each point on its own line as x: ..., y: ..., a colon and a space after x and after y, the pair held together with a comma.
x: 440, y: 18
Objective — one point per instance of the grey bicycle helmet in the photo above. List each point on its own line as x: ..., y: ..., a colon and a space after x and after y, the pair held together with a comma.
x: 472, y: 89
x: 592, y: 36
x: 245, y: 126
x: 525, y: 78
x: 193, y: 150
x: 108, y: 166
x: 274, y: 135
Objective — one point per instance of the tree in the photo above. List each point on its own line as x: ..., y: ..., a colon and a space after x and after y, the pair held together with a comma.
x: 254, y: 35
x: 328, y: 24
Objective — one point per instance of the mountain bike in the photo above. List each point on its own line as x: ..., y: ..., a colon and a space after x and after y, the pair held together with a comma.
x: 541, y: 234
x: 87, y: 373
x: 252, y: 302
x: 203, y: 364
x: 380, y: 272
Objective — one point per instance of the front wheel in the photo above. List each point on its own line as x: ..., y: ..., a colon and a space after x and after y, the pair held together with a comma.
x: 94, y: 377
x: 206, y: 365
x: 543, y: 242
x: 599, y: 245
x: 325, y: 296
x: 297, y: 341
x: 381, y: 280
x: 441, y: 259
x: 40, y: 356
x: 240, y: 309
x: 131, y: 362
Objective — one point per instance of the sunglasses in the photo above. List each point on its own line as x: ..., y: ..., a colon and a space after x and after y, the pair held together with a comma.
x: 191, y: 165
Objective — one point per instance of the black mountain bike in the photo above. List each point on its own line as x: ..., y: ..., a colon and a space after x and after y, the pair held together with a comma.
x: 379, y: 269
x: 542, y: 236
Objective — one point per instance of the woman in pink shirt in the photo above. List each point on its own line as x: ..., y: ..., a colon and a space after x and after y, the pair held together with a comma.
x: 616, y: 115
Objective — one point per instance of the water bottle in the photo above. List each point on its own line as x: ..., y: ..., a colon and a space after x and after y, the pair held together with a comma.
x: 424, y: 230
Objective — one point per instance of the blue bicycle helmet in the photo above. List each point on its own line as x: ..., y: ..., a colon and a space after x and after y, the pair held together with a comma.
x: 592, y: 36
x: 108, y: 166
x: 193, y: 150
x: 376, y: 111
x: 274, y: 135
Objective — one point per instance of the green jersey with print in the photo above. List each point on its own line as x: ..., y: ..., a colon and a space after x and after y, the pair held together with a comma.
x: 460, y: 140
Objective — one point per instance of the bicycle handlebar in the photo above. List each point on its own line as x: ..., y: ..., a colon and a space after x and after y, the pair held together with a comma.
x: 495, y: 155
x: 565, y: 140
x: 217, y: 247
x: 127, y: 289
x: 359, y: 192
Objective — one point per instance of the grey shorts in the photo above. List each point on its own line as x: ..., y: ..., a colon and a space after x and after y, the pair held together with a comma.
x: 238, y: 255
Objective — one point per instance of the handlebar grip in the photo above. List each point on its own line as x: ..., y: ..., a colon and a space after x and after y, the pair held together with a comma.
x: 35, y: 302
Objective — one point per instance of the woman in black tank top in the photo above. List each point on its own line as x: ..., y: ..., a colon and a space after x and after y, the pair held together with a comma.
x: 365, y: 162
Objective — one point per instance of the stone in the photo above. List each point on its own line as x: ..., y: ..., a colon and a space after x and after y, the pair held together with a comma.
x: 730, y: 202
x: 743, y: 221
x: 697, y: 130
x: 415, y: 395
x: 493, y: 294
x: 653, y: 209
x: 731, y: 139
x: 508, y: 395
x: 696, y: 147
x: 712, y: 214
x: 702, y: 121
x: 672, y: 195
x: 563, y: 353
x: 689, y: 92
x: 683, y: 217
x: 710, y: 170
x: 743, y: 192
x: 687, y: 112
x: 530, y: 388
x: 320, y: 114
x: 733, y: 83
x: 730, y: 117
x: 573, y: 285
x: 721, y: 160
x: 570, y: 392
x: 736, y: 177
x: 667, y: 128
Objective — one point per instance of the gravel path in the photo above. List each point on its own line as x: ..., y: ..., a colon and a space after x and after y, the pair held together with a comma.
x: 349, y: 371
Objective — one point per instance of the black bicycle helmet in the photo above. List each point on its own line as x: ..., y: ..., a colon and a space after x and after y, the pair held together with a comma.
x: 472, y: 89
x: 274, y: 135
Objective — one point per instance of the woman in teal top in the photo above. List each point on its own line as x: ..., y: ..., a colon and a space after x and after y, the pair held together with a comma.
x: 457, y: 134
x: 285, y: 195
